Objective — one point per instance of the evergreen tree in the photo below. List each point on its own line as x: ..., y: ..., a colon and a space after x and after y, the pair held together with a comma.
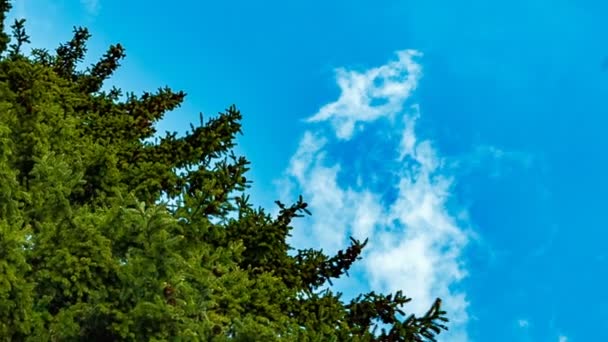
x: 89, y: 252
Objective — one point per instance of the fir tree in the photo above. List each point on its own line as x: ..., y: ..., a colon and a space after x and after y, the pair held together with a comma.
x: 89, y: 251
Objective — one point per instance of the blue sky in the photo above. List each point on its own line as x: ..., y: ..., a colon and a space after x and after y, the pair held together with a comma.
x: 466, y: 139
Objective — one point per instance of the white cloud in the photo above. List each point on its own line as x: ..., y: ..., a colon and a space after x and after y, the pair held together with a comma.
x: 391, y: 84
x: 523, y: 323
x: 416, y: 243
x: 563, y: 338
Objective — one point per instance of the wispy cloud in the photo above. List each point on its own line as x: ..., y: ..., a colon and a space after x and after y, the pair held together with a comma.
x: 366, y: 97
x: 523, y: 323
x: 416, y: 242
x: 563, y: 338
x: 494, y: 161
x: 90, y: 6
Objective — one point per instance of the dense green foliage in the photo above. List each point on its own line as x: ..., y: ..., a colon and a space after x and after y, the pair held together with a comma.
x: 89, y: 252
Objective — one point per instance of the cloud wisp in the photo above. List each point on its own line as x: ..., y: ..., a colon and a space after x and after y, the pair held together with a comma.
x: 90, y: 6
x: 416, y: 238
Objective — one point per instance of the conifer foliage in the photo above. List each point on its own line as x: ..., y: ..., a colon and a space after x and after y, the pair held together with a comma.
x: 89, y: 252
